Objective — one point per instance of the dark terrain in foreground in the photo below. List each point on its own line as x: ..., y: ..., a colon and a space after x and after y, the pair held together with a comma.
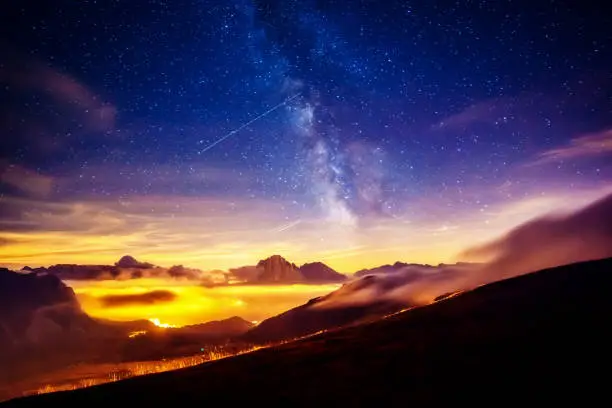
x: 541, y: 337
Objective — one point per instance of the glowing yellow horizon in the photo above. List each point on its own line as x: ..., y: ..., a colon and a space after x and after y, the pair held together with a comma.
x: 209, y: 236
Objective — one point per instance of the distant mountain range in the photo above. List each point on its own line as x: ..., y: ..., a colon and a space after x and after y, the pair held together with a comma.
x: 125, y: 268
x: 274, y: 269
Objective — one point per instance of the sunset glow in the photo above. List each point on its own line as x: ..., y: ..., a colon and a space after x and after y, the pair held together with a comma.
x: 100, y: 232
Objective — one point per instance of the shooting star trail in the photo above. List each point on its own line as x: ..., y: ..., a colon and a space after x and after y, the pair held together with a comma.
x: 288, y: 226
x: 233, y: 132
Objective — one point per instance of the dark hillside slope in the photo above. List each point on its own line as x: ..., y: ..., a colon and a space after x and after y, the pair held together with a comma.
x: 541, y: 337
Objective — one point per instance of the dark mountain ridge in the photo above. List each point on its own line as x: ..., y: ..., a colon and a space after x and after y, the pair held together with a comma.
x: 531, y: 338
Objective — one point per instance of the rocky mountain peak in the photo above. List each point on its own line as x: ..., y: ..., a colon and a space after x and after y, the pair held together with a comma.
x: 278, y: 269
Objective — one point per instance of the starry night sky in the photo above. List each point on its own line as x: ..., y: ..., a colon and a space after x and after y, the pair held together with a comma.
x: 217, y: 132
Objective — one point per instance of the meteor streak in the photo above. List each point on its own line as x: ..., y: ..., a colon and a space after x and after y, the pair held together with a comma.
x: 288, y: 226
x: 233, y: 132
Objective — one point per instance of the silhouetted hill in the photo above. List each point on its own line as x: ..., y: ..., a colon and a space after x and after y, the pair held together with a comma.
x: 230, y: 327
x: 34, y: 307
x: 43, y: 327
x: 127, y: 326
x: 534, y: 339
x: 183, y: 341
x: 327, y: 312
x: 319, y: 272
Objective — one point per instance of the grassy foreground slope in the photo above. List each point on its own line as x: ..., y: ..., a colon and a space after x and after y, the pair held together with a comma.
x: 541, y: 337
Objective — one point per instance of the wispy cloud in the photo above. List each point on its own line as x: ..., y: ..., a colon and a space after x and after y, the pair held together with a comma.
x: 481, y: 112
x: 25, y: 180
x: 27, y: 74
x: 594, y: 144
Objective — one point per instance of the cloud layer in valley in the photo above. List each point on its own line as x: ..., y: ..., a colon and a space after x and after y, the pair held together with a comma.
x: 544, y: 242
x: 193, y: 302
x: 128, y: 268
